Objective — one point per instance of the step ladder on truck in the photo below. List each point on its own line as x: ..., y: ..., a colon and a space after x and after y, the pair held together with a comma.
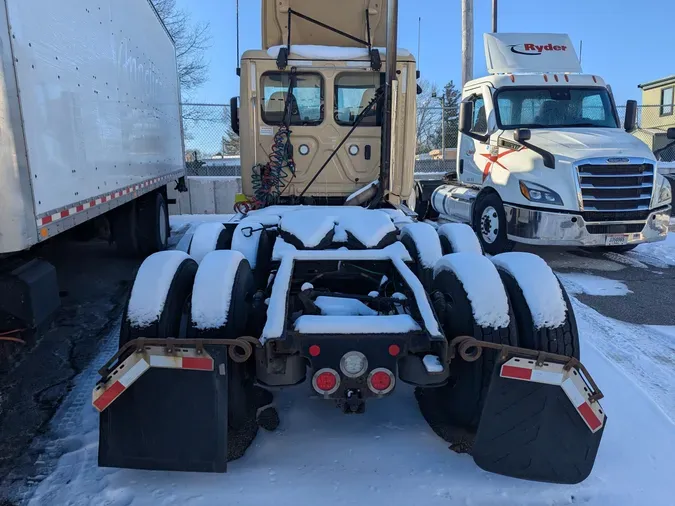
x: 543, y: 158
x: 327, y: 280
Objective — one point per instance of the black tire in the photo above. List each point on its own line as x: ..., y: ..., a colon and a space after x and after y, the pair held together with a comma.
x: 563, y: 340
x: 169, y: 323
x: 263, y: 259
x: 501, y: 243
x: 424, y: 274
x: 153, y: 223
x: 620, y: 249
x: 123, y: 225
x: 223, y: 242
x: 242, y: 398
x: 460, y: 402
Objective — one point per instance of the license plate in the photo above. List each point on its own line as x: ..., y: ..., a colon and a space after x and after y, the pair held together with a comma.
x: 616, y: 240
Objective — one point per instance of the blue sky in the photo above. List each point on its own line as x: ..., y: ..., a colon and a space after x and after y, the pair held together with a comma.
x: 625, y: 41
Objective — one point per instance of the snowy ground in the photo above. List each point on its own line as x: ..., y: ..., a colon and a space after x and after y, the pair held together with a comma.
x: 389, y: 455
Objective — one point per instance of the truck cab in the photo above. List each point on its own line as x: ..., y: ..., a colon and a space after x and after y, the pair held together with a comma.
x: 330, y: 152
x: 544, y: 159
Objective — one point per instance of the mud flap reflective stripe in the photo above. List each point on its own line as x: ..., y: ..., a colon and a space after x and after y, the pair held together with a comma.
x: 127, y: 372
x: 534, y: 424
x: 173, y: 416
x: 554, y: 374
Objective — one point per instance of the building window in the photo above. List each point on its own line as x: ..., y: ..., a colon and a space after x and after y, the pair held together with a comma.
x: 353, y: 92
x: 667, y: 101
x: 308, y: 98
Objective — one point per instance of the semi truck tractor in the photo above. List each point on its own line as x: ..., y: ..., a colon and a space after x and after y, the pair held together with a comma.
x: 327, y: 281
x: 544, y: 159
x: 90, y: 130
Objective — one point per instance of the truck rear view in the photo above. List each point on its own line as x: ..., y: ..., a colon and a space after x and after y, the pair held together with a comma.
x: 348, y: 299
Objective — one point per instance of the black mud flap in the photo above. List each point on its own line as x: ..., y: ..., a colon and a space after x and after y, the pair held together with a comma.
x: 533, y: 431
x: 171, y: 420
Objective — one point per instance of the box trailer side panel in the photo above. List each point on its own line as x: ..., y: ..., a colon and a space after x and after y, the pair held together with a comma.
x: 17, y: 215
x: 99, y: 98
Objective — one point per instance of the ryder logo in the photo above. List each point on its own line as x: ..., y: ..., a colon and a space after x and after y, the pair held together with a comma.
x: 535, y: 49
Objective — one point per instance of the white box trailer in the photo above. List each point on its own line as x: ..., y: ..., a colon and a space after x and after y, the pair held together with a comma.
x: 90, y: 121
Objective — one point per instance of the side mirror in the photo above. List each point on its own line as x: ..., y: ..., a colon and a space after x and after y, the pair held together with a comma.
x: 465, y: 117
x: 630, y: 123
x: 234, y: 114
x: 670, y: 134
x: 522, y: 135
x: 419, y: 90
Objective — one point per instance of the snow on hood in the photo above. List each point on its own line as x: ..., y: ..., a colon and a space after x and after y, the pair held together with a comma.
x: 577, y: 143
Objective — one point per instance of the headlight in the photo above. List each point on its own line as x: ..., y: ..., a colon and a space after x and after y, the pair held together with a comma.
x: 537, y: 193
x: 665, y: 194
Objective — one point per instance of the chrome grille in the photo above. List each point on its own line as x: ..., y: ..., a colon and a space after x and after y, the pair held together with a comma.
x: 610, y: 189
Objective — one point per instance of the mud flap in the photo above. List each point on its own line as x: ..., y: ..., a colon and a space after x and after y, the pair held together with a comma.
x: 171, y: 420
x: 535, y: 428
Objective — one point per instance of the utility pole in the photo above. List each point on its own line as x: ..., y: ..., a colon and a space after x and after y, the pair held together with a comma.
x: 494, y: 16
x: 467, y: 41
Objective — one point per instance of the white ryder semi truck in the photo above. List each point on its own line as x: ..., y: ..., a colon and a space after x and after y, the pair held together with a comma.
x: 544, y: 159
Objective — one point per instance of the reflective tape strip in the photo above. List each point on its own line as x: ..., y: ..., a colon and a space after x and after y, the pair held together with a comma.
x: 125, y: 374
x: 521, y: 373
x: 547, y: 377
x: 528, y: 370
x: 591, y: 414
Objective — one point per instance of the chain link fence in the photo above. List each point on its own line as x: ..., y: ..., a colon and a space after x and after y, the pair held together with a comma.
x: 212, y: 148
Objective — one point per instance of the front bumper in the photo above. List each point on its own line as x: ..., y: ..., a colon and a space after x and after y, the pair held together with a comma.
x: 535, y: 226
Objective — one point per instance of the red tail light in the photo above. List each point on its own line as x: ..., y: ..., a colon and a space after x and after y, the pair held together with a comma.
x: 381, y: 381
x: 326, y: 381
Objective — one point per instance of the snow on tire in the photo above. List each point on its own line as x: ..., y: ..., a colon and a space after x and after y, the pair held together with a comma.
x: 207, y: 238
x: 424, y: 246
x: 219, y: 295
x: 458, y: 238
x: 162, y: 285
x: 470, y: 300
x: 542, y: 308
x: 220, y: 310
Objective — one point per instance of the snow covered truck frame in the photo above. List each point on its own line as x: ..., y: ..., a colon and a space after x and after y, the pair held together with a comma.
x: 349, y: 299
x: 352, y: 301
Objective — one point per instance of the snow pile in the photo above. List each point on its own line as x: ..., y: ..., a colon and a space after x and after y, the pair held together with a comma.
x: 483, y: 287
x: 309, y: 226
x: 397, y: 324
x: 576, y: 283
x: 461, y: 238
x: 330, y: 52
x: 368, y: 227
x: 659, y: 254
x: 246, y: 239
x: 151, y: 286
x: 340, y: 234
x: 276, y: 310
x: 281, y: 247
x: 212, y: 289
x: 540, y: 287
x: 205, y: 239
x: 426, y: 240
x: 432, y: 364
x: 342, y: 306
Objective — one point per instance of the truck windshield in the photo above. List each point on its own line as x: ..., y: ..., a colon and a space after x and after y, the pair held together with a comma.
x: 554, y: 107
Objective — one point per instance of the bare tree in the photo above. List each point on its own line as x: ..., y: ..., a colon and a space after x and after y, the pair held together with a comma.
x: 428, y: 116
x: 191, y: 40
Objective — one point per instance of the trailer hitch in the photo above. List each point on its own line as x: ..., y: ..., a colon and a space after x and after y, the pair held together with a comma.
x: 239, y: 349
x: 471, y: 349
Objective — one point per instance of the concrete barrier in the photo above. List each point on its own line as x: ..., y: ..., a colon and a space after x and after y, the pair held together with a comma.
x: 206, y: 195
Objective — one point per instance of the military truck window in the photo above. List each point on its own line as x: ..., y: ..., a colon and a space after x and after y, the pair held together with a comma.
x: 353, y: 93
x: 308, y: 98
x: 555, y: 107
